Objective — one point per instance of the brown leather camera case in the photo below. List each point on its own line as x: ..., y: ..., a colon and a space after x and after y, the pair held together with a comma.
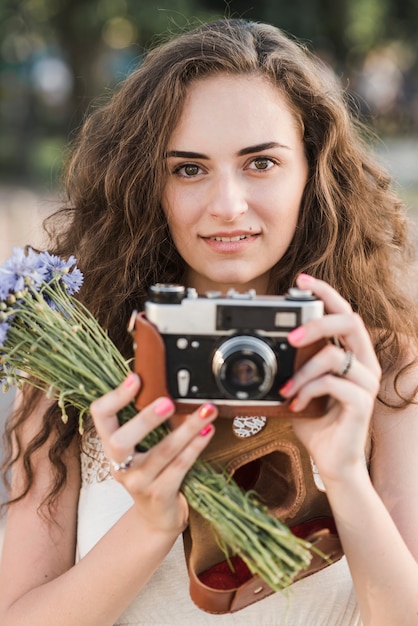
x: 272, y: 462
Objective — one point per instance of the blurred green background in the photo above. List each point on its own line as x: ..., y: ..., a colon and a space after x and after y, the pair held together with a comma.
x: 58, y: 56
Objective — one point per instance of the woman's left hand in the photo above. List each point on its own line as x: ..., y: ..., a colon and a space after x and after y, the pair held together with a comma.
x: 337, y: 440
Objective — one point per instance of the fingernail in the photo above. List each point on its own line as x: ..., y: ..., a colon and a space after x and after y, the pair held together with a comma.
x: 296, y: 335
x: 307, y: 278
x: 129, y: 380
x: 164, y: 407
x: 293, y: 406
x: 286, y: 387
x: 207, y: 410
x: 206, y: 430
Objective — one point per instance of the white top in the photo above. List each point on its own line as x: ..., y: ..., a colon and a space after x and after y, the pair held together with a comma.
x: 323, y: 599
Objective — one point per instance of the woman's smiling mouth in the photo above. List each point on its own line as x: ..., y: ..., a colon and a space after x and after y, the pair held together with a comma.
x: 230, y: 243
x: 226, y: 239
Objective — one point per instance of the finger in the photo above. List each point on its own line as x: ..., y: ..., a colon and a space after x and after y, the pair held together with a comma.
x: 333, y: 301
x: 357, y: 400
x: 122, y: 442
x: 178, y: 468
x: 342, y: 322
x: 332, y: 359
x: 104, y: 410
x: 136, y: 429
x: 171, y: 447
x: 349, y: 329
x: 166, y: 474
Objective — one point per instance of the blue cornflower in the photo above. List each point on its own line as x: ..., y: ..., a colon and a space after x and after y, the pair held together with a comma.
x: 73, y: 281
x: 54, y: 266
x: 4, y: 327
x: 7, y: 283
x: 22, y: 269
x: 58, y: 268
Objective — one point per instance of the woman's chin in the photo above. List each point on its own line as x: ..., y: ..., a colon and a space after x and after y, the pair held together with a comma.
x: 224, y: 285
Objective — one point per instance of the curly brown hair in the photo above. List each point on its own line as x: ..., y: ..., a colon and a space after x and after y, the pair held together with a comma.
x: 352, y: 230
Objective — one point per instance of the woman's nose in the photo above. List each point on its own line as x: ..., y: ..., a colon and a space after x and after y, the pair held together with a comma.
x: 227, y: 199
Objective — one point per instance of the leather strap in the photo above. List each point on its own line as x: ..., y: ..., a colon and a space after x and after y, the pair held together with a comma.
x: 219, y: 601
x: 285, y: 481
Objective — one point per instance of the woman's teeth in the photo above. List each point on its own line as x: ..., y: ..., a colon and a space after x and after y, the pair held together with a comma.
x: 228, y: 239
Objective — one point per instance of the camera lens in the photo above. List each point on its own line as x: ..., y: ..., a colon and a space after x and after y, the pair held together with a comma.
x: 245, y: 372
x: 244, y: 367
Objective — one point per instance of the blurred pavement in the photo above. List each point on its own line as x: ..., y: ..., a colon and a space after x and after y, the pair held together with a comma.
x: 400, y: 156
x: 21, y: 214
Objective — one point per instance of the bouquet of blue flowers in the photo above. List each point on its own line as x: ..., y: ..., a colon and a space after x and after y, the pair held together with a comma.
x: 48, y: 339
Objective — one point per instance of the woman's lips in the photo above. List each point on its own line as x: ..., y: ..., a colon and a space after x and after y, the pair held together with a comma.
x: 230, y: 243
x: 227, y: 239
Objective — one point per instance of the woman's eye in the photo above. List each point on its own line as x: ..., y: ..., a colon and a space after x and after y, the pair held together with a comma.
x: 262, y: 163
x: 188, y: 171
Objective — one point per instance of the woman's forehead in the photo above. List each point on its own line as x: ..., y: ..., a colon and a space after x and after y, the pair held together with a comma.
x: 244, y: 105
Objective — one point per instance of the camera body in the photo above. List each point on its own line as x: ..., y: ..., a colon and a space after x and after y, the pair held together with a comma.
x: 230, y: 349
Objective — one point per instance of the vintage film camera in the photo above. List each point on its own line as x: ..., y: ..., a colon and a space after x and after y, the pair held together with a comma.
x: 230, y: 349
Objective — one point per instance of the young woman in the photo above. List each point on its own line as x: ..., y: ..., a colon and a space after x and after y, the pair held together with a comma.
x: 228, y: 159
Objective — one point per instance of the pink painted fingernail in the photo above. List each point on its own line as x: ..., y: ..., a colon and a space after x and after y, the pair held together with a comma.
x: 206, y: 430
x: 207, y: 410
x: 293, y: 406
x: 164, y: 407
x: 286, y: 387
x: 307, y: 278
x: 296, y: 335
x: 129, y: 380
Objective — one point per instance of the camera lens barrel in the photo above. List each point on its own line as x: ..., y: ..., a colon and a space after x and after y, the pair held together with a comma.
x: 244, y: 367
x: 167, y: 293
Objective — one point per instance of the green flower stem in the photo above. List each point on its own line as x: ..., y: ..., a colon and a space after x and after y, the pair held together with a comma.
x: 271, y: 552
x: 67, y: 354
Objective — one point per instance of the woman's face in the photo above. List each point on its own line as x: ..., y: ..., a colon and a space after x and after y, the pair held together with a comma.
x: 237, y: 171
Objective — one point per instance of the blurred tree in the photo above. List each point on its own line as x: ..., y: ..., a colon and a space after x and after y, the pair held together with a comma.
x: 103, y: 39
x: 57, y: 55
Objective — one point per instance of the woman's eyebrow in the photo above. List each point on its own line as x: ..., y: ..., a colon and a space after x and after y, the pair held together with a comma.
x: 186, y: 154
x: 261, y: 147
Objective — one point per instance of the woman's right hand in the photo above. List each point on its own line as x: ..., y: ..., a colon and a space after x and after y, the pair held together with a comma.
x: 153, y: 478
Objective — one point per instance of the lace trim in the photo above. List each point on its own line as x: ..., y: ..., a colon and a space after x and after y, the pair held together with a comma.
x: 95, y: 467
